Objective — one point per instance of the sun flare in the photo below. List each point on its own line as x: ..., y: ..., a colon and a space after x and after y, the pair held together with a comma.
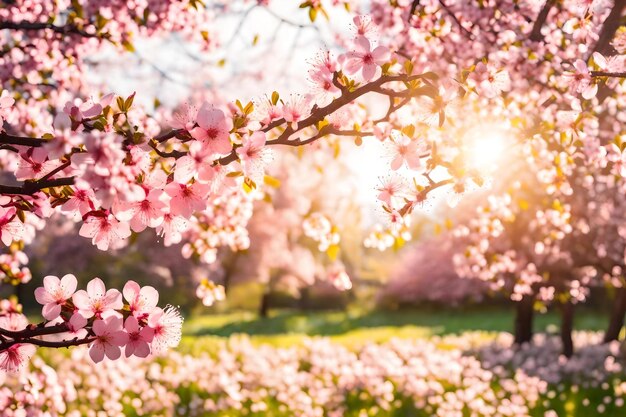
x: 487, y: 147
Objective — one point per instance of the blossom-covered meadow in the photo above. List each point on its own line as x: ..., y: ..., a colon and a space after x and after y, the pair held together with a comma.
x: 476, y: 373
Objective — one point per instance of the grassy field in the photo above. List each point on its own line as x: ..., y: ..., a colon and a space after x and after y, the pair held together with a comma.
x: 352, y: 328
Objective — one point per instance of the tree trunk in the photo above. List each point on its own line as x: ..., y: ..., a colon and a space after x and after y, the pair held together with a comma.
x: 524, y: 320
x: 305, y: 299
x: 567, y: 325
x: 264, y: 306
x: 616, y: 320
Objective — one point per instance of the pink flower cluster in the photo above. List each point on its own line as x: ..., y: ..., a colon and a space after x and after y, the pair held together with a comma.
x: 107, y: 320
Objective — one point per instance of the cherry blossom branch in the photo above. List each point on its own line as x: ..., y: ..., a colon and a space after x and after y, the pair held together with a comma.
x: 609, y: 27
x: 30, y: 26
x: 325, y: 131
x: 408, y: 207
x: 535, y: 33
x: 608, y: 74
x: 34, y: 331
x: 5, y: 138
x: 319, y: 113
x: 31, y: 187
x: 467, y: 33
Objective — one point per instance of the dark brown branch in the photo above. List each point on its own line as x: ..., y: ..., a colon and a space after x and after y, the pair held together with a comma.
x: 31, y: 187
x: 535, y: 33
x: 467, y: 33
x: 45, y: 343
x: 612, y: 22
x: 608, y: 74
x: 63, y: 30
x: 324, y: 132
x: 5, y: 138
x: 33, y: 331
x: 55, y: 170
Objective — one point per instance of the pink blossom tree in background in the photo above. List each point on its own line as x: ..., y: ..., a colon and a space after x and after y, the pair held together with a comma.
x: 545, y: 75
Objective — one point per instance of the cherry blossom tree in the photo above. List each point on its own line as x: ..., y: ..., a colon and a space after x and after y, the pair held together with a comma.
x: 548, y: 75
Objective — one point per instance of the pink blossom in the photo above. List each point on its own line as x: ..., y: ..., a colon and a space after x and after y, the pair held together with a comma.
x: 167, y: 324
x: 582, y: 82
x: 364, y: 26
x: 490, y: 81
x: 213, y: 129
x: 209, y: 292
x: 13, y: 321
x: 187, y: 199
x: 76, y: 325
x: 148, y: 212
x: 104, y: 231
x: 15, y: 357
x: 109, y: 336
x: 364, y: 59
x: 185, y: 118
x: 391, y: 190
x: 54, y: 294
x: 295, y: 110
x: 81, y: 202
x: 34, y: 164
x: 402, y: 150
x: 171, y: 229
x: 78, y: 111
x: 141, y: 300
x: 138, y: 338
x: 254, y: 155
x: 97, y: 301
x: 10, y: 227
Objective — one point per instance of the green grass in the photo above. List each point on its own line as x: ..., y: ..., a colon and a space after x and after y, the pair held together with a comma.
x: 353, y: 328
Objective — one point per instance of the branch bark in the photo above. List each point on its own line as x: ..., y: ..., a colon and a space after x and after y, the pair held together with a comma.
x: 32, y: 26
x: 612, y: 22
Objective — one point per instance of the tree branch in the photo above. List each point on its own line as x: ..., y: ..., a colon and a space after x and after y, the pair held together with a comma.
x: 30, y: 26
x: 612, y: 22
x: 608, y: 74
x: 31, y: 187
x: 535, y: 33
x: 5, y: 138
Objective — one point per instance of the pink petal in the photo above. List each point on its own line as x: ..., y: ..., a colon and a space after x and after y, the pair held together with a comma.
x: 142, y: 350
x: 99, y: 327
x: 43, y: 296
x: 119, y: 338
x: 112, y: 352
x: 130, y: 291
x: 51, y: 283
x: 381, y: 55
x: 69, y: 284
x: 113, y: 299
x: 150, y: 296
x: 369, y: 71
x: 82, y: 302
x: 51, y: 311
x: 96, y: 288
x: 362, y: 44
x: 96, y: 351
x: 131, y: 325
